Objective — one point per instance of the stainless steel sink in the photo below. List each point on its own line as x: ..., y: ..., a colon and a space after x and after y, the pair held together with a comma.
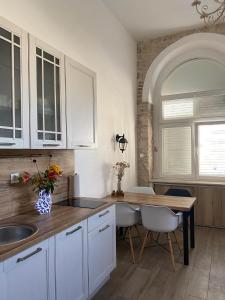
x: 12, y: 233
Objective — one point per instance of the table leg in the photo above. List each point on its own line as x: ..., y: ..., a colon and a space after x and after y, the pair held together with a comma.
x: 185, y: 238
x: 192, y: 227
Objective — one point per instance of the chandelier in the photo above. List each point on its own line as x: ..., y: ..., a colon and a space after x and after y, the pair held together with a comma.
x: 216, y: 15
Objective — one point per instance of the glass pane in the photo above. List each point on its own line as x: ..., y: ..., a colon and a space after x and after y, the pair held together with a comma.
x: 176, y: 151
x: 6, y: 133
x: 18, y: 134
x: 194, y: 76
x: 50, y: 136
x: 177, y: 109
x: 48, y: 56
x: 211, y: 145
x: 38, y: 51
x: 49, y: 96
x: 5, y: 33
x: 5, y: 84
x: 40, y: 135
x: 58, y: 99
x: 57, y: 61
x: 59, y: 137
x: 39, y: 94
x: 17, y: 87
x: 16, y: 39
x: 212, y: 106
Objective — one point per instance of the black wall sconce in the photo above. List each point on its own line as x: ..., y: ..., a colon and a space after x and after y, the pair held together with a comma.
x: 122, y: 142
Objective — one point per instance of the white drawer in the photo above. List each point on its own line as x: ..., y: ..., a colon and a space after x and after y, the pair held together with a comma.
x: 101, y: 217
x: 25, y: 256
x: 71, y: 231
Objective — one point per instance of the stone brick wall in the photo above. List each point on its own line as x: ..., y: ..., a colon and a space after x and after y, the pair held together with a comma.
x: 147, y: 51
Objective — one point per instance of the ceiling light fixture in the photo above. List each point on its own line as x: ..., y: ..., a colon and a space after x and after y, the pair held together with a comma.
x: 217, y: 15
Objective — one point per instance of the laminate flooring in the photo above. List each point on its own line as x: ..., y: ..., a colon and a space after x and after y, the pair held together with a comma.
x: 153, y: 278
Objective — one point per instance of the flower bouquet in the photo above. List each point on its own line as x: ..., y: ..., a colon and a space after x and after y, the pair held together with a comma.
x: 43, y: 183
x: 119, y: 169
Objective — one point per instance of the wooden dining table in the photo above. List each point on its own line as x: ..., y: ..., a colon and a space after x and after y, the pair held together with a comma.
x: 182, y: 204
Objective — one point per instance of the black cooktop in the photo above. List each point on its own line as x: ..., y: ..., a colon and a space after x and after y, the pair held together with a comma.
x: 82, y: 202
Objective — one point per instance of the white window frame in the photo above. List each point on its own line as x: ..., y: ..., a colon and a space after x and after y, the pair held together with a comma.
x: 194, y: 122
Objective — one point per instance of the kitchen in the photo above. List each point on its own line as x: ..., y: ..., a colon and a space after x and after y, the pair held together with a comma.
x: 74, y: 81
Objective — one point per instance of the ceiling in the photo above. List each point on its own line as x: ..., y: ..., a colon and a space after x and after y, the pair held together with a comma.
x: 146, y: 19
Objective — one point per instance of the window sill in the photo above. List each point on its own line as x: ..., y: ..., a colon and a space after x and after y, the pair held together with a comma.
x: 189, y: 182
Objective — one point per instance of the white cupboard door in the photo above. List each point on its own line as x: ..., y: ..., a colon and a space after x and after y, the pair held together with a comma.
x: 81, y: 106
x: 71, y: 263
x: 2, y: 284
x: 47, y: 93
x: 26, y: 274
x: 14, y: 91
x: 101, y: 254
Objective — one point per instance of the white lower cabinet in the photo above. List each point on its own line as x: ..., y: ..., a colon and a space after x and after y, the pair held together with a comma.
x: 26, y: 275
x: 101, y: 251
x: 71, y: 263
x: 2, y: 284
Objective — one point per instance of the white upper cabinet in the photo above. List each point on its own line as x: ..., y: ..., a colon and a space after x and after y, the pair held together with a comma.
x: 81, y: 106
x: 14, y: 90
x: 47, y: 96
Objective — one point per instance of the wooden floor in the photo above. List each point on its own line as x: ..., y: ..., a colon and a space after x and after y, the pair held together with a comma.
x: 153, y: 278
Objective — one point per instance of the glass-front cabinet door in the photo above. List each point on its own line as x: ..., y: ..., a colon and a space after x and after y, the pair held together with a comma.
x: 14, y: 97
x: 47, y: 84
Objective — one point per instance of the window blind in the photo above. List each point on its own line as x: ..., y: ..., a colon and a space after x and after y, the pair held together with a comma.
x: 176, y: 109
x: 176, y: 151
x: 211, y: 106
x: 211, y: 143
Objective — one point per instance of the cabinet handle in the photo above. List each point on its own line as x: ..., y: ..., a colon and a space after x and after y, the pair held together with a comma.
x: 104, y: 228
x: 83, y: 146
x: 29, y: 255
x: 7, y: 144
x: 105, y: 213
x: 50, y: 145
x: 72, y: 231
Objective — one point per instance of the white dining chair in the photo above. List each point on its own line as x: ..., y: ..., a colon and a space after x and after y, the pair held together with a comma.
x: 127, y: 217
x: 142, y: 190
x: 161, y: 220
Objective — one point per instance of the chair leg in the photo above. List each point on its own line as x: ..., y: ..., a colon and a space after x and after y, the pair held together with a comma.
x: 171, y: 251
x: 157, y: 237
x: 131, y: 244
x: 143, y: 245
x: 138, y: 233
x: 124, y: 233
x: 177, y: 242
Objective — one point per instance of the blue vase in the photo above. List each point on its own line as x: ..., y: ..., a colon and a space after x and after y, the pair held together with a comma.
x: 44, y: 202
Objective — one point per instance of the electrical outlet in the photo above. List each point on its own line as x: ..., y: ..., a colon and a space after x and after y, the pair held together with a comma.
x: 14, y: 178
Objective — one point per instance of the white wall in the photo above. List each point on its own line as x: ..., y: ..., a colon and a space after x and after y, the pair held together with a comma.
x: 87, y: 31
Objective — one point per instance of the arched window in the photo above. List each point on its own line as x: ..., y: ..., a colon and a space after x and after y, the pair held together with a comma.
x: 190, y: 122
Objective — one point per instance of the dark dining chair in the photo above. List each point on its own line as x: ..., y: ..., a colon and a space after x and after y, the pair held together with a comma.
x: 178, y: 192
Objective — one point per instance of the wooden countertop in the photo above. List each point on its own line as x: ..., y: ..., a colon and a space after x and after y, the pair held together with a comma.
x: 61, y: 217
x: 173, y: 202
